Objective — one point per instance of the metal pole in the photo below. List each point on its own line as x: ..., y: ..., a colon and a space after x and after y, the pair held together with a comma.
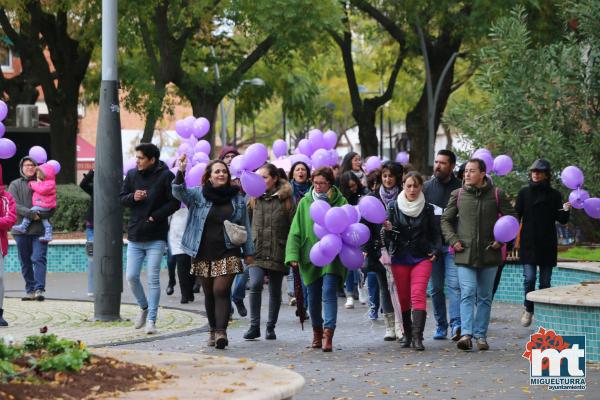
x: 390, y: 136
x: 382, y: 138
x: 221, y: 107
x: 108, y: 177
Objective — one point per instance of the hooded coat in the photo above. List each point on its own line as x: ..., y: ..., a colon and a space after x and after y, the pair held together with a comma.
x: 44, y: 192
x: 23, y: 195
x: 8, y: 215
x: 302, y: 238
x: 271, y: 216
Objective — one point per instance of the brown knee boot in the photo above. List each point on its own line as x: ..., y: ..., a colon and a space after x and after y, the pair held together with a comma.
x: 317, y: 342
x: 328, y: 336
x: 419, y: 317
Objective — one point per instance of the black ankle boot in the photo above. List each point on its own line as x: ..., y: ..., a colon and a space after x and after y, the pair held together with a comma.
x: 252, y: 333
x: 406, y: 339
x: 270, y: 335
x: 2, y: 320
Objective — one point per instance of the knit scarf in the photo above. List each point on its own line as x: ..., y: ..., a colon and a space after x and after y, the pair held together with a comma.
x: 219, y: 195
x: 320, y: 196
x: 388, y: 195
x: 299, y: 189
x: 411, y: 208
x: 360, y: 175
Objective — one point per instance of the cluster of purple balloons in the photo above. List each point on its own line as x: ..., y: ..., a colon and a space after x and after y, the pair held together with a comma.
x: 191, y: 126
x: 242, y: 166
x: 8, y: 148
x: 39, y: 155
x: 341, y: 232
x: 319, y: 148
x: 572, y: 177
x: 500, y: 165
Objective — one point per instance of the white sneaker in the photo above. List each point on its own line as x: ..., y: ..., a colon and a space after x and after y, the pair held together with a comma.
x: 363, y: 294
x: 526, y: 318
x: 151, y: 328
x: 349, y: 302
x: 141, y: 319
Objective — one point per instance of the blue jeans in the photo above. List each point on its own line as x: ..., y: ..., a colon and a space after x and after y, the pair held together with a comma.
x: 238, y: 292
x: 136, y: 253
x: 352, y: 279
x: 444, y: 271
x: 529, y: 278
x: 373, y: 286
x: 89, y: 236
x: 476, y: 286
x: 323, y: 292
x: 32, y: 255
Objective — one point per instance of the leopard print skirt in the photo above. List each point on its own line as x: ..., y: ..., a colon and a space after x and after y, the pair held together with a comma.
x: 212, y: 269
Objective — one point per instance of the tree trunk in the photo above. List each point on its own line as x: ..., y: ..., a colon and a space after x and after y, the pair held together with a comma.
x: 416, y: 119
x: 63, y: 139
x: 207, y: 108
x: 367, y: 132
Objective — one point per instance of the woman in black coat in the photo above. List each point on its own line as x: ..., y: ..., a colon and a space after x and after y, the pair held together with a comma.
x: 539, y: 206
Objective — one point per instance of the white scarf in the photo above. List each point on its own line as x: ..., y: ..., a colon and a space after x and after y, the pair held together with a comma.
x: 411, y: 208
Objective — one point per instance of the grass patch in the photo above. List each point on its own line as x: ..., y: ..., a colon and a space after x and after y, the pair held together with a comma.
x: 581, y: 253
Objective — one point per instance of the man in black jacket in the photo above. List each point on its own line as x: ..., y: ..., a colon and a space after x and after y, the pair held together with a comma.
x: 437, y: 192
x: 87, y: 185
x: 147, y: 191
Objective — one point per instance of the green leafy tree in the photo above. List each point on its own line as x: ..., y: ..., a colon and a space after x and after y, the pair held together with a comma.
x: 539, y: 102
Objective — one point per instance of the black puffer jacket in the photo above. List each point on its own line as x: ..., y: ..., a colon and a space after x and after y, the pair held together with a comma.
x: 87, y: 185
x: 159, y: 204
x: 420, y: 236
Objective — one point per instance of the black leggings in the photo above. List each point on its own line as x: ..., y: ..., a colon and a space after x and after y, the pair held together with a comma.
x: 186, y: 281
x: 217, y: 295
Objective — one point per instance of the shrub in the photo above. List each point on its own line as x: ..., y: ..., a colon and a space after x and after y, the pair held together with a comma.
x: 72, y: 204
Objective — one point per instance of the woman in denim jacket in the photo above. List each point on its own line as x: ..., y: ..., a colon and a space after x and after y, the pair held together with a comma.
x: 215, y: 260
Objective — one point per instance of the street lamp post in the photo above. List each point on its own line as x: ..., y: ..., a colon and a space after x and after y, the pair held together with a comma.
x: 224, y: 114
x: 108, y: 177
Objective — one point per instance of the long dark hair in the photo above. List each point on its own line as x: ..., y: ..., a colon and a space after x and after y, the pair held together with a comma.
x: 209, y: 169
x: 294, y: 165
x: 345, y: 179
x: 395, y: 169
x: 347, y: 162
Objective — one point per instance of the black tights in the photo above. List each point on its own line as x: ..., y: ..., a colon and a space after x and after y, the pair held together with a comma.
x: 217, y: 294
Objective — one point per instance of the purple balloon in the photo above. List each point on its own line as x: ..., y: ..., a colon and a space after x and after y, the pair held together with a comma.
x: 503, y: 164
x: 333, y: 157
x: 572, y: 177
x: 336, y: 220
x: 329, y: 139
x: 200, y: 128
x: 7, y: 148
x: 318, y: 209
x: 237, y: 165
x: 55, y: 165
x: 317, y: 257
x: 320, y: 158
x: 200, y: 158
x: 194, y: 176
x: 128, y: 165
x: 372, y: 209
x: 402, y: 157
x: 182, y: 129
x: 487, y: 159
x: 331, y: 245
x: 352, y: 213
x: 279, y: 148
x: 255, y: 156
x: 2, y: 129
x: 253, y: 184
x: 372, y: 164
x: 185, y: 148
x: 3, y: 110
x: 202, y: 147
x: 356, y: 234
x: 352, y: 257
x: 506, y: 228
x: 319, y: 231
x: 482, y: 150
x: 305, y: 147
x: 301, y: 157
x: 578, y: 197
x: 315, y: 137
x: 592, y: 207
x: 38, y: 154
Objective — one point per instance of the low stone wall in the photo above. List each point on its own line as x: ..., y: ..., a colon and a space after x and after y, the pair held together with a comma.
x: 63, y: 256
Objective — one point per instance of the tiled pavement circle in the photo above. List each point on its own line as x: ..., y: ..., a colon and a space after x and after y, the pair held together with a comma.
x: 71, y: 319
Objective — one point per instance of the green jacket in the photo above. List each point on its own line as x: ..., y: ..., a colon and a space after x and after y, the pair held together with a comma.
x: 301, y: 239
x: 472, y: 223
x: 271, y: 216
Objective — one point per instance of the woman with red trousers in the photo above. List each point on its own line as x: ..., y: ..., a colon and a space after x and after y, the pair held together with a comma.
x: 413, y: 241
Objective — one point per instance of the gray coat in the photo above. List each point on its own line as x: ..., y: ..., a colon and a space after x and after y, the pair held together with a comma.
x: 22, y: 193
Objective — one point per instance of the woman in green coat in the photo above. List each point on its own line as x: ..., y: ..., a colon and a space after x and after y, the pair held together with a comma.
x: 321, y: 282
